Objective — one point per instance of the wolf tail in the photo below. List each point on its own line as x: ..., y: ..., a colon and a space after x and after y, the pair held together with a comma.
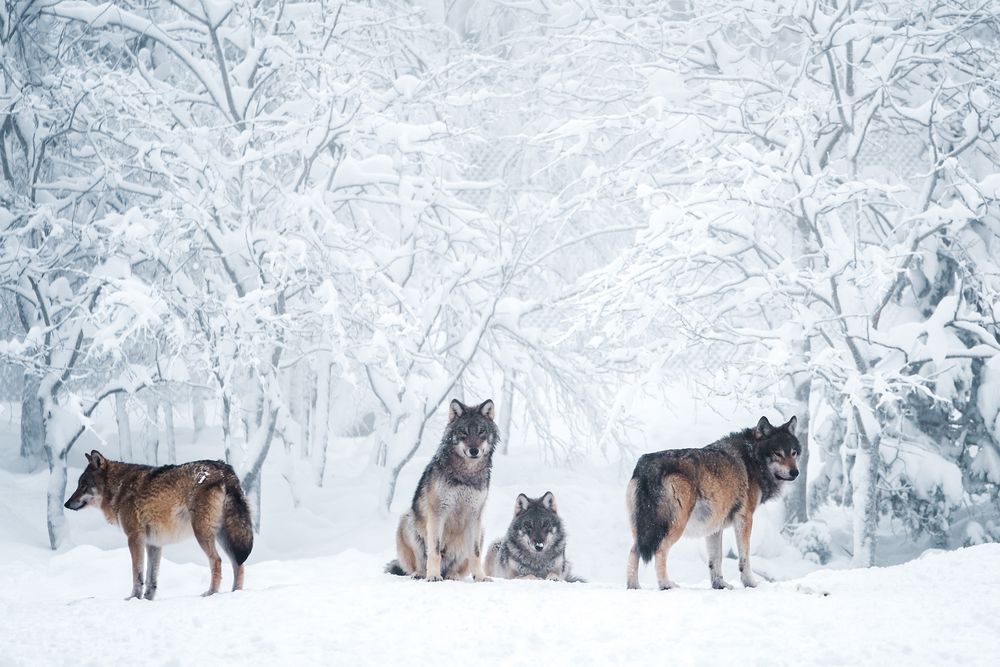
x: 649, y: 517
x: 393, y: 567
x: 236, y: 533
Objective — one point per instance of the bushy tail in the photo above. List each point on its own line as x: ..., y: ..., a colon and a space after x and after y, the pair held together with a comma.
x: 573, y: 579
x: 236, y: 533
x: 393, y: 567
x: 651, y: 523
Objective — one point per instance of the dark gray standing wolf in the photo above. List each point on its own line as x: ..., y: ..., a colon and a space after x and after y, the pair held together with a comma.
x: 535, y: 544
x: 699, y: 492
x: 441, y: 536
x: 158, y: 506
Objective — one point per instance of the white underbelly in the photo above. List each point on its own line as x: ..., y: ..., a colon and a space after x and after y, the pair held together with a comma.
x: 176, y: 530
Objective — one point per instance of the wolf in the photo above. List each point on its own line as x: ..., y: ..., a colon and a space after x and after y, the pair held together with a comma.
x: 699, y: 492
x: 441, y: 536
x: 535, y: 544
x: 161, y: 505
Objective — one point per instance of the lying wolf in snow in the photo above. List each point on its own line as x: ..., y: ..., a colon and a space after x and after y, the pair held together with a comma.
x: 535, y: 544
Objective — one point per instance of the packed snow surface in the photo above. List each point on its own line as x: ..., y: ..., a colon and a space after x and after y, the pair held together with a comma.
x: 67, y: 608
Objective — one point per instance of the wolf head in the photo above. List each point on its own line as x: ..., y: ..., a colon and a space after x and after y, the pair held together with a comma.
x: 536, y: 526
x: 778, y: 448
x: 90, y: 488
x: 471, y: 432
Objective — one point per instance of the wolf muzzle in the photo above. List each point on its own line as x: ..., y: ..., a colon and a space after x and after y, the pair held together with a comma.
x: 75, y: 504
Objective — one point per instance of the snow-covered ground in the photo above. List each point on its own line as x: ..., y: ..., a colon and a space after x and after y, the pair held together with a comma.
x: 315, y: 591
x: 66, y: 609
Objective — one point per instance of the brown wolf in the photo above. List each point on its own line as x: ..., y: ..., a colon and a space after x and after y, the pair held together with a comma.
x: 158, y: 506
x: 699, y: 492
x: 441, y: 536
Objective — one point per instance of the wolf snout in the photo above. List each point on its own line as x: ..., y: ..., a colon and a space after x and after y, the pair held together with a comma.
x: 73, y: 504
x: 474, y: 452
x: 793, y: 473
x: 539, y: 546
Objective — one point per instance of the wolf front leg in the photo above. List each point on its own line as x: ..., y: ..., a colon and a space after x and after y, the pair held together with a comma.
x: 434, y: 536
x: 476, y: 561
x: 136, y: 549
x: 743, y: 526
x: 714, y: 544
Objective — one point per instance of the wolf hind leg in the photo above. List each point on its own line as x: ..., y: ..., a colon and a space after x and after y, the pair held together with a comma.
x: 408, y: 555
x: 152, y: 569
x: 661, y: 563
x: 206, y: 522
x: 632, y: 569
x: 683, y: 494
x: 743, y: 526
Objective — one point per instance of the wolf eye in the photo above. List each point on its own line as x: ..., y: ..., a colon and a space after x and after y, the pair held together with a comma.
x: 528, y: 525
x: 461, y: 435
x: 480, y: 431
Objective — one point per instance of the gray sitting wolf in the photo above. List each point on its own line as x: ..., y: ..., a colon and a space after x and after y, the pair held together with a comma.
x: 699, y: 492
x: 535, y: 544
x: 162, y: 505
x: 441, y: 536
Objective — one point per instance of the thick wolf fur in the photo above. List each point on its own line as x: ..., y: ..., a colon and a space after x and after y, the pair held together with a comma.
x: 161, y: 505
x: 534, y: 546
x: 441, y: 536
x: 699, y: 492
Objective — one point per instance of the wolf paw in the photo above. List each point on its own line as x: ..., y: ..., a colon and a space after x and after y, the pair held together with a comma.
x: 721, y: 584
x: 208, y: 592
x: 149, y: 594
x: 434, y: 578
x: 749, y: 581
x: 633, y: 586
x: 552, y: 576
x: 482, y: 578
x: 667, y: 585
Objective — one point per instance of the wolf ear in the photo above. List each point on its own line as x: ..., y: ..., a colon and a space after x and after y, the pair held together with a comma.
x: 762, y: 429
x: 487, y: 409
x: 455, y: 410
x: 549, y: 502
x: 96, y: 459
x: 522, y: 503
x: 791, y: 424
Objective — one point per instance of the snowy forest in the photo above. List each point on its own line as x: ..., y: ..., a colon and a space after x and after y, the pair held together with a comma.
x: 264, y: 230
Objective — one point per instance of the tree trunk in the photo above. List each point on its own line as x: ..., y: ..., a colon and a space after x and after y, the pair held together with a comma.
x: 55, y: 454
x: 864, y: 477
x: 124, y: 428
x: 197, y: 414
x: 32, y: 424
x: 322, y: 421
x: 54, y: 516
x: 168, y: 431
x: 151, y: 431
x: 796, y: 502
x: 260, y: 442
x: 507, y: 411
x: 227, y: 428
